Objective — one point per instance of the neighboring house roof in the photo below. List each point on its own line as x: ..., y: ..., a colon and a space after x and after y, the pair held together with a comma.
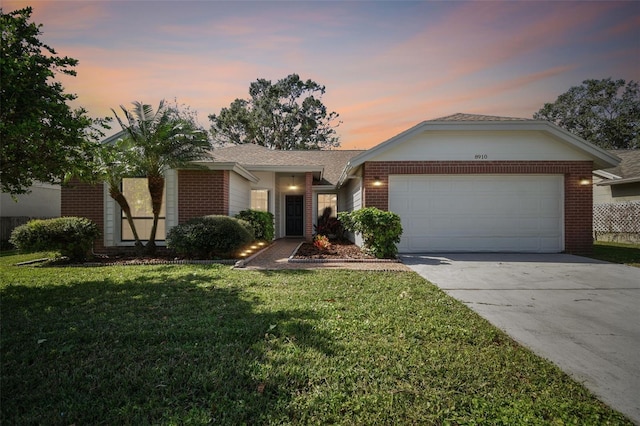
x: 474, y: 122
x: 476, y: 117
x: 628, y: 171
x: 328, y: 164
x: 113, y: 138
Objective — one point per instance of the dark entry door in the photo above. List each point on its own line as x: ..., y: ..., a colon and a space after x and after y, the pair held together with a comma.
x: 294, y: 215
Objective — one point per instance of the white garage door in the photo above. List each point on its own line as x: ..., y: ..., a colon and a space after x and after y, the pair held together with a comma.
x: 495, y: 213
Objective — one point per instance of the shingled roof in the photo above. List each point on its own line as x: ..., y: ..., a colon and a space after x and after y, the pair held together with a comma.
x: 628, y: 169
x: 477, y: 117
x: 252, y: 156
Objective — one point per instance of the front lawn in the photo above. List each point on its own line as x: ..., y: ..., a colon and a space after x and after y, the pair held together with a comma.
x: 198, y: 344
x: 628, y: 254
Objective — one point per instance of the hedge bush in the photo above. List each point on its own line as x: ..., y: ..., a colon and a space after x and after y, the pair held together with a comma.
x: 262, y: 223
x: 210, y: 237
x: 380, y: 230
x: 72, y: 236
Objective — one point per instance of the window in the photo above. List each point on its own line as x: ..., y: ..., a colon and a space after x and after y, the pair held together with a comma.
x: 260, y: 200
x: 137, y: 194
x: 328, y: 200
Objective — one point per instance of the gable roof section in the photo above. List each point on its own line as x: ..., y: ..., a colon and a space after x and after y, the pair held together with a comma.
x: 474, y: 122
x: 477, y: 117
x: 327, y: 165
x: 628, y: 171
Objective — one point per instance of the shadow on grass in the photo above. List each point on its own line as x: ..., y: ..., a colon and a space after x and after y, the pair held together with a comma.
x: 190, y: 348
x: 617, y: 253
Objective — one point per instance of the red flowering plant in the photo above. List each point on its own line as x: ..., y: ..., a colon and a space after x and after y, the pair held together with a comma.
x: 321, y: 242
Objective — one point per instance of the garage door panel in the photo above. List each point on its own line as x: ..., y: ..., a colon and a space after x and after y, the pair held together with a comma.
x: 478, y: 212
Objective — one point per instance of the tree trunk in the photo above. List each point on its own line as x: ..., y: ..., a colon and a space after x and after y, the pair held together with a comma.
x: 155, y: 184
x: 117, y: 195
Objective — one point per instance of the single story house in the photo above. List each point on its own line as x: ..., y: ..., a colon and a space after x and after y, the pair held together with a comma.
x: 459, y: 183
x: 621, y: 183
x: 616, y: 199
x: 42, y: 202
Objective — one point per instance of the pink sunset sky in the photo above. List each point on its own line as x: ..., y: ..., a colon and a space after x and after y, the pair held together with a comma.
x: 386, y: 65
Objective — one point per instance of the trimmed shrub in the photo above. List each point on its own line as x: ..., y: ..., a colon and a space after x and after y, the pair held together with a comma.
x: 72, y: 236
x: 210, y: 237
x: 262, y: 223
x: 381, y: 230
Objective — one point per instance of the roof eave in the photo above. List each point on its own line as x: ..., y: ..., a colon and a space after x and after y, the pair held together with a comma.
x: 115, y: 137
x: 606, y: 175
x: 614, y: 182
x: 602, y: 159
x: 235, y: 167
x: 285, y: 168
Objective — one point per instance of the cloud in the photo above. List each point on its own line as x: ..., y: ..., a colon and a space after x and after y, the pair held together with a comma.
x: 62, y: 18
x: 478, y: 36
x: 107, y: 79
x: 386, y: 66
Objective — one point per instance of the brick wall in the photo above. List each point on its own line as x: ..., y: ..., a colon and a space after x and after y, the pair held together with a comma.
x: 308, y: 206
x: 202, y: 192
x: 85, y: 200
x: 578, y: 199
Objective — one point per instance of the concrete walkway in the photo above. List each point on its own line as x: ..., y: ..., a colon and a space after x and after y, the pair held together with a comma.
x: 276, y: 256
x: 580, y: 313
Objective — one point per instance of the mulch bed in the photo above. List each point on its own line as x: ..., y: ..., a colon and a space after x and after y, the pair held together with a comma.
x: 337, y: 250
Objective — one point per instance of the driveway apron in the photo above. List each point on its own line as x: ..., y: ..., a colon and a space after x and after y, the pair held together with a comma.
x: 581, y: 314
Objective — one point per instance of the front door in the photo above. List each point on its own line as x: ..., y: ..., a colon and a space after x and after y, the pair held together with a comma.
x: 294, y: 215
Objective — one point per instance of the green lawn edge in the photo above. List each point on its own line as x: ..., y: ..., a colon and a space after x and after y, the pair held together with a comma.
x: 628, y: 254
x: 201, y: 344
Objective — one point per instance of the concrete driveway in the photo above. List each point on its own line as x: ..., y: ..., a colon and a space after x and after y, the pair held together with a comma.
x: 582, y: 314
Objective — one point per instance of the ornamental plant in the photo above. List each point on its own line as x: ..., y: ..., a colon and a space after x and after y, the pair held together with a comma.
x: 262, y: 223
x: 328, y: 225
x: 321, y: 242
x: 380, y: 230
x: 72, y: 236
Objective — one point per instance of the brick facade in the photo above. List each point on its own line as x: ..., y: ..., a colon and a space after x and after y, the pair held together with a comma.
x: 308, y: 206
x: 578, y: 199
x: 84, y: 200
x: 202, y: 192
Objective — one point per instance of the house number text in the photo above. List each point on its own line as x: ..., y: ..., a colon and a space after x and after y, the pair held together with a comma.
x: 481, y: 156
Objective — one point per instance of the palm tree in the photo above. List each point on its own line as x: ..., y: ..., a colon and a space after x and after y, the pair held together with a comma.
x: 110, y: 162
x: 113, y: 163
x: 164, y: 139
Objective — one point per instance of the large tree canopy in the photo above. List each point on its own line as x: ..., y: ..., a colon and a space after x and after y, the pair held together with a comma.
x: 604, y: 112
x: 41, y: 137
x: 286, y: 115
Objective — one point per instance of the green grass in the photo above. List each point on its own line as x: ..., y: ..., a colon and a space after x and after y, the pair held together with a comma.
x: 628, y: 254
x: 198, y: 344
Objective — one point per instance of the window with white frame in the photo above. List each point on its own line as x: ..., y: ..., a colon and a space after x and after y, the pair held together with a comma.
x: 260, y: 199
x: 137, y: 194
x: 328, y: 200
